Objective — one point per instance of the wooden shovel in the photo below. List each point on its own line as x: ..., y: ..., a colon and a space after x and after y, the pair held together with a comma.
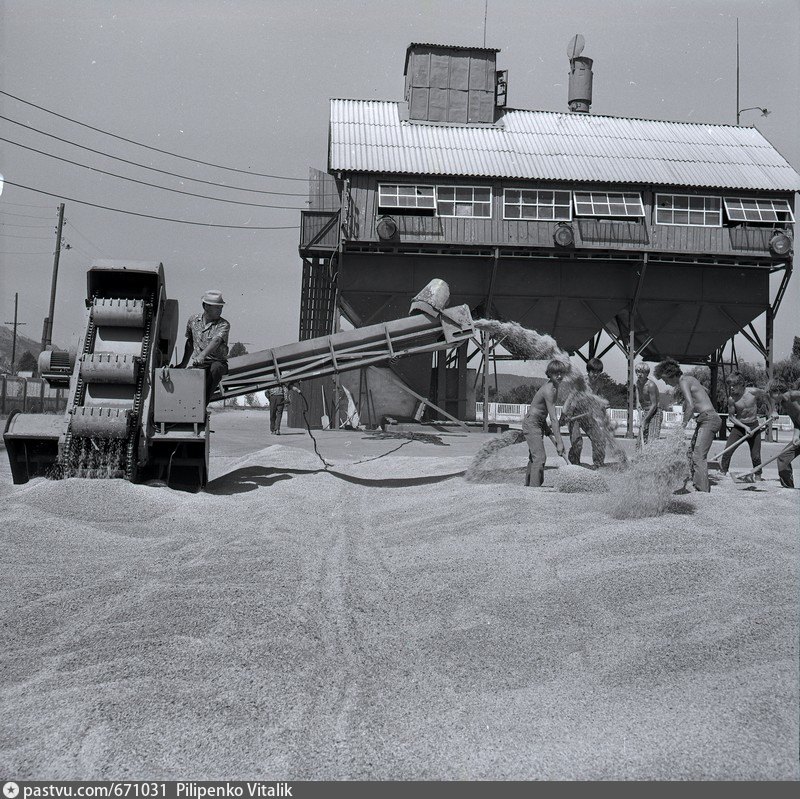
x: 742, y: 478
x: 326, y: 422
x: 755, y: 431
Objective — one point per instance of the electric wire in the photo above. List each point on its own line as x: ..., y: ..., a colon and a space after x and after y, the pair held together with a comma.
x: 23, y: 216
x: 146, y: 146
x: 144, y: 166
x: 152, y: 216
x: 83, y: 235
x: 28, y: 205
x: 25, y: 253
x: 12, y: 236
x: 14, y: 224
x: 145, y: 183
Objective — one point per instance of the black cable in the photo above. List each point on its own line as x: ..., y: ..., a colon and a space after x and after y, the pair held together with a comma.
x: 26, y: 253
x: 151, y: 216
x: 12, y: 236
x: 147, y: 146
x: 308, y: 429
x: 145, y: 166
x: 145, y: 183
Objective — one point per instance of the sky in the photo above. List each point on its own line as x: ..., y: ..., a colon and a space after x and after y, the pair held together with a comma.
x: 246, y: 85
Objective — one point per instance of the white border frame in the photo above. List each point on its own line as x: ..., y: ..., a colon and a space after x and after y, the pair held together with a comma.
x: 688, y: 210
x: 789, y: 221
x: 615, y: 217
x: 527, y: 219
x: 459, y: 216
x: 382, y: 208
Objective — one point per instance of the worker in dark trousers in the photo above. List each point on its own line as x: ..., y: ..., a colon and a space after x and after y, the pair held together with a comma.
x: 207, y: 341
x: 576, y: 427
x: 278, y: 400
x: 788, y: 401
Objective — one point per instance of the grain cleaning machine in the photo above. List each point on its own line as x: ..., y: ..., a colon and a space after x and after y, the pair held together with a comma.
x: 130, y: 417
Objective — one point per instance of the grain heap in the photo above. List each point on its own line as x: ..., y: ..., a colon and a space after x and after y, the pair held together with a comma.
x: 575, y: 479
x: 646, y: 487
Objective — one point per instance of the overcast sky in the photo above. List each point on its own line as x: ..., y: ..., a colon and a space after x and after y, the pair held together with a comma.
x: 246, y: 84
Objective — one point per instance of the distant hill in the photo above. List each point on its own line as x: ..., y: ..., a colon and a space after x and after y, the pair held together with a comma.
x: 24, y: 344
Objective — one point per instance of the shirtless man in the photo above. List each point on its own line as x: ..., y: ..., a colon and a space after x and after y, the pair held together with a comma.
x: 743, y: 416
x: 535, y: 426
x: 576, y: 427
x: 647, y: 394
x: 783, y: 399
x: 695, y: 400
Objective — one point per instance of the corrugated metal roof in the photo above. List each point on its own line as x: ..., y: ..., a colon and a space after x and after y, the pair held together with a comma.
x: 370, y: 136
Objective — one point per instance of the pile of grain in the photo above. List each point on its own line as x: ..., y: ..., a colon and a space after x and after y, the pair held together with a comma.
x: 646, y: 487
x: 477, y: 471
x: 579, y: 480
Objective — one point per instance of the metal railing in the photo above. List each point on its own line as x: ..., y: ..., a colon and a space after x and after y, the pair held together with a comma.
x: 30, y: 395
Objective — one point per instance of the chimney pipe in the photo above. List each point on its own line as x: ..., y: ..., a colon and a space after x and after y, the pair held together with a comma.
x: 580, y: 84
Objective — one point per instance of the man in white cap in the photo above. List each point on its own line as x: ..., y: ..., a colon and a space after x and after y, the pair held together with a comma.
x: 207, y: 341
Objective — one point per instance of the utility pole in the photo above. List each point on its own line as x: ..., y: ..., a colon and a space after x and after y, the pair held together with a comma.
x: 47, y: 333
x: 16, y: 324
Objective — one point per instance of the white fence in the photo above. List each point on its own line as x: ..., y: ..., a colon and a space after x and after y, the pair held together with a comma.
x: 512, y: 414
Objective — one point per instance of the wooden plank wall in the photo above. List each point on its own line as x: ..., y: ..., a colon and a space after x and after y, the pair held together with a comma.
x: 589, y: 233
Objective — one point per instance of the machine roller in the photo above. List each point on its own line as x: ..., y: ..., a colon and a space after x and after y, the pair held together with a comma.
x: 152, y: 423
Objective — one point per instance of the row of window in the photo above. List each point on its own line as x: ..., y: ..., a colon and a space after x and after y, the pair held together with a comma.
x: 546, y: 205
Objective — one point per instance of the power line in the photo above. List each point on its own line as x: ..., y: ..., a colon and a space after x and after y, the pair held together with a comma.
x: 27, y: 205
x: 147, y: 146
x: 144, y: 166
x: 14, y: 224
x: 152, y: 185
x: 25, y: 216
x: 151, y: 216
x: 11, y: 236
x: 83, y: 236
x: 26, y: 253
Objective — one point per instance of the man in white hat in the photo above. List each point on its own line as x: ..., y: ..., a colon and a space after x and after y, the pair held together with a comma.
x: 207, y: 341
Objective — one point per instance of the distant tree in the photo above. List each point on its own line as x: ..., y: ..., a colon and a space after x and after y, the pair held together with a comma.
x: 615, y: 393
x: 519, y: 395
x: 27, y: 362
x: 796, y: 349
x: 237, y: 349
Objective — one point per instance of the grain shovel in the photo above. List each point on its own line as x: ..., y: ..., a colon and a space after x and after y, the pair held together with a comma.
x: 747, y: 477
x: 326, y: 422
x: 715, y: 462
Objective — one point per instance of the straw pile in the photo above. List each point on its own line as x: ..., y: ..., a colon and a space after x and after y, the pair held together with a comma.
x: 476, y: 473
x: 646, y: 487
x: 525, y: 344
x: 579, y: 480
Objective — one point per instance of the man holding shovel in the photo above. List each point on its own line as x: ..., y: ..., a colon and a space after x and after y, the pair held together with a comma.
x: 743, y: 415
x: 695, y: 400
x: 650, y: 413
x: 789, y: 402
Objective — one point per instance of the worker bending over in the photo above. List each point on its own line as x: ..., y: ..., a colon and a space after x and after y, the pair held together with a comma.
x: 207, y: 341
x: 647, y: 395
x: 535, y: 424
x: 788, y: 402
x: 695, y: 400
x: 743, y: 416
x: 576, y: 426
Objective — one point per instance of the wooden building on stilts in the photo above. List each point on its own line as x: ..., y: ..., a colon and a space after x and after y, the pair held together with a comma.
x: 661, y: 235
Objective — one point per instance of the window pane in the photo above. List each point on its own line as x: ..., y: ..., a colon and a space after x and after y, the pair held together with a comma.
x: 407, y: 202
x: 601, y: 209
x: 512, y: 211
x: 447, y: 193
x: 562, y: 198
x: 546, y: 212
x: 463, y: 194
x: 696, y: 217
x: 528, y: 212
x: 681, y: 217
x: 513, y: 195
x: 545, y: 198
x: 617, y: 209
x: 483, y: 195
x: 446, y: 208
x: 482, y: 209
x: 583, y: 208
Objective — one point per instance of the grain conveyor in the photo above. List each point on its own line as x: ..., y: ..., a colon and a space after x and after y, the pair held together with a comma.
x: 129, y: 417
